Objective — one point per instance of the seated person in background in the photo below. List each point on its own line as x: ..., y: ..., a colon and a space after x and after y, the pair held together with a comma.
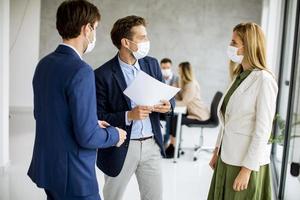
x: 166, y: 69
x: 172, y: 80
x: 189, y: 97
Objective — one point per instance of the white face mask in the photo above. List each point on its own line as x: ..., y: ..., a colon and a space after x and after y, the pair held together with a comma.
x: 166, y: 72
x: 143, y: 50
x: 91, y: 45
x: 232, y: 54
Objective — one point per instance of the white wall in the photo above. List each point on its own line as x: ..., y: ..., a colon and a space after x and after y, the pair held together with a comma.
x: 198, y: 31
x: 24, y: 50
x: 4, y: 83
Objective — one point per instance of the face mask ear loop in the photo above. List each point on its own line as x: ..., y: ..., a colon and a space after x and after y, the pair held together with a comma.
x: 133, y: 43
x: 92, y: 29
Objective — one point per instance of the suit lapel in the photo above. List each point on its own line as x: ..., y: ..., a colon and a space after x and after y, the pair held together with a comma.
x: 220, y: 114
x: 241, y: 89
x: 143, y: 66
x: 119, y: 76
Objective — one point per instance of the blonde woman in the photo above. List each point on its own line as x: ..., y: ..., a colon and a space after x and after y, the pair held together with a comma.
x: 242, y: 154
x: 190, y: 97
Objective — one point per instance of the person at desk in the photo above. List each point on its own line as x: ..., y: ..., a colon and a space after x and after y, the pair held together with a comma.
x: 172, y: 80
x: 166, y: 69
x: 190, y: 97
x: 246, y: 112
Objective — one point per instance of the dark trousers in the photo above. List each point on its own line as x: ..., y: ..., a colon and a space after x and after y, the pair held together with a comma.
x: 184, y: 121
x: 55, y: 196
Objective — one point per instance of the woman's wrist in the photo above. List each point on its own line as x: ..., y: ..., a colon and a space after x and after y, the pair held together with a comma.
x: 246, y: 170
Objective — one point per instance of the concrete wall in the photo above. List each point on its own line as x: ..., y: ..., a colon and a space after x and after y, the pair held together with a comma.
x: 198, y: 31
x: 4, y: 83
x: 24, y: 50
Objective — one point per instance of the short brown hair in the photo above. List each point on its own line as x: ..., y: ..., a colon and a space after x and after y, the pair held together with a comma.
x: 122, y: 28
x: 72, y: 15
x: 166, y: 60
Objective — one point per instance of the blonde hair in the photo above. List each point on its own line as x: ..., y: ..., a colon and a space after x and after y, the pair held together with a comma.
x: 186, y: 75
x: 253, y: 40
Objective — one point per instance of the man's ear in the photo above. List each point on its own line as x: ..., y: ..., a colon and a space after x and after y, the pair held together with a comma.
x: 124, y: 42
x: 85, y: 29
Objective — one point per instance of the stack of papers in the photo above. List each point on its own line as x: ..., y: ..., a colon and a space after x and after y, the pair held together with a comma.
x: 147, y: 91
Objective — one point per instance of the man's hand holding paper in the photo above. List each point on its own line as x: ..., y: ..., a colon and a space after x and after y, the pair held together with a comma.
x: 164, y: 107
x: 147, y: 91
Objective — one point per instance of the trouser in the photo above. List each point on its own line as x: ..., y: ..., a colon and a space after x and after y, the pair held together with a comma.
x: 144, y: 160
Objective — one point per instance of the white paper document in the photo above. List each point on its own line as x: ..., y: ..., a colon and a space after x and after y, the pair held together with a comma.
x: 147, y: 91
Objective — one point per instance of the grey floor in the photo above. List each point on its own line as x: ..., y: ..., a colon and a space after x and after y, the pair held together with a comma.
x: 185, y: 180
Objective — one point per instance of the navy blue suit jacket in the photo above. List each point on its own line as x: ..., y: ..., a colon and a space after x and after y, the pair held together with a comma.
x: 67, y: 131
x: 112, y: 105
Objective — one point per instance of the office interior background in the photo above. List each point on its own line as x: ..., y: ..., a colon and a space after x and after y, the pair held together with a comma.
x: 197, y: 31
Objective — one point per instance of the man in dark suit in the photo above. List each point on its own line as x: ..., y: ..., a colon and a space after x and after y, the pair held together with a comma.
x: 68, y: 132
x: 141, y: 152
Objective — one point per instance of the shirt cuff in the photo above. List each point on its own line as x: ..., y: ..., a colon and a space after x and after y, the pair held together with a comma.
x: 128, y: 123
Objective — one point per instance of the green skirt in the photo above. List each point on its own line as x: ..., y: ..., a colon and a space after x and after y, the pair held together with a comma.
x: 221, y: 187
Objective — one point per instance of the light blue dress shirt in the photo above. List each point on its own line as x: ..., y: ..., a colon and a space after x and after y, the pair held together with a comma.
x: 140, y: 128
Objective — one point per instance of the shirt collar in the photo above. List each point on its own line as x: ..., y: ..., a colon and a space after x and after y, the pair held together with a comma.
x: 128, y: 66
x: 72, y: 48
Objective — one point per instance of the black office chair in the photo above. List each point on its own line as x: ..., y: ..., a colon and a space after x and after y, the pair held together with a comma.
x: 212, y: 122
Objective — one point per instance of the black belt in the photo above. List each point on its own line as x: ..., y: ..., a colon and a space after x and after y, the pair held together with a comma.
x: 142, y: 139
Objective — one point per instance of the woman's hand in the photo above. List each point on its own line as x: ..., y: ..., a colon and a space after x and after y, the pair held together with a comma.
x: 242, y: 180
x: 214, y: 159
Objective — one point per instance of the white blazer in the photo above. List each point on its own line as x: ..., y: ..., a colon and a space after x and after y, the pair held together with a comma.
x: 247, y: 125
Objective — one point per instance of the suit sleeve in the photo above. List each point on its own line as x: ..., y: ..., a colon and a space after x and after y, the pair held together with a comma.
x: 265, y: 111
x: 219, y: 138
x: 115, y: 118
x: 82, y: 102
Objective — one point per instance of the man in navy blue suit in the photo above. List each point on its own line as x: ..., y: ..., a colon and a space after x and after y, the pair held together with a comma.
x: 141, y: 152
x: 68, y: 132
